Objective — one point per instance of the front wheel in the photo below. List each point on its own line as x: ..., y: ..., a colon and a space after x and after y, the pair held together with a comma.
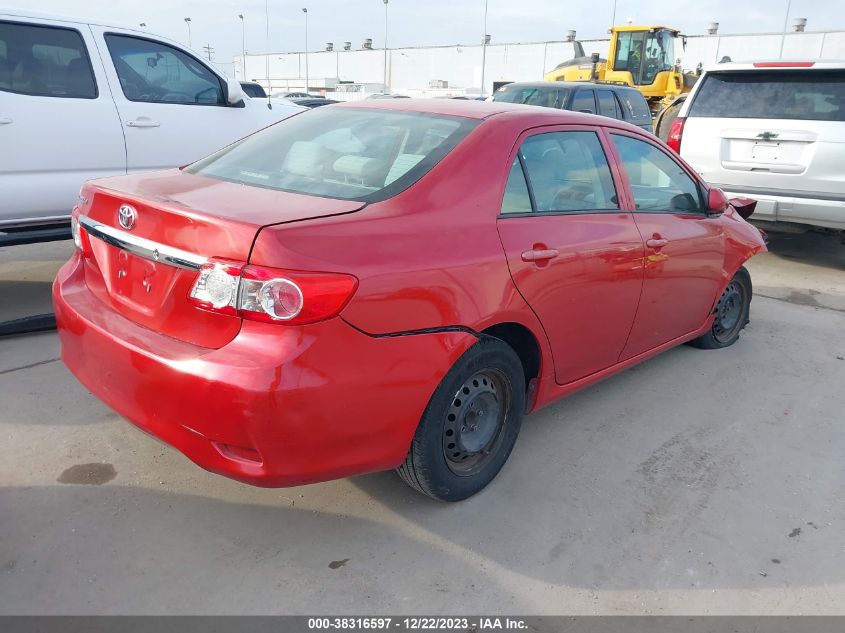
x: 470, y: 425
x: 732, y: 312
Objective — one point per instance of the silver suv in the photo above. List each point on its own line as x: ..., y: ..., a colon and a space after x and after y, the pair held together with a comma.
x: 774, y: 131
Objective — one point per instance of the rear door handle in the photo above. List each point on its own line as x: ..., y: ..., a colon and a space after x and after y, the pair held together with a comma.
x: 4, y: 120
x: 539, y: 255
x: 656, y: 242
x: 142, y: 122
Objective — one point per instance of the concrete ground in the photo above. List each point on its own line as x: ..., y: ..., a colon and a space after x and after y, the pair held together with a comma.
x: 698, y: 482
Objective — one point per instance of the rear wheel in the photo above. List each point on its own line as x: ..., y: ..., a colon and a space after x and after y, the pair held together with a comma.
x: 470, y: 425
x: 666, y: 118
x: 732, y: 314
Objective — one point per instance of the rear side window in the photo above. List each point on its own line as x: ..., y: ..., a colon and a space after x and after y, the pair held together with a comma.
x: 568, y: 171
x: 814, y: 95
x: 354, y: 154
x: 634, y: 107
x: 584, y: 101
x: 516, y: 199
x: 154, y: 72
x: 607, y: 104
x: 45, y: 61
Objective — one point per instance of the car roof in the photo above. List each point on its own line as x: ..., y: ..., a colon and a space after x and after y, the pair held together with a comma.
x: 24, y: 14
x: 42, y: 15
x: 567, y: 84
x: 778, y: 64
x: 531, y: 116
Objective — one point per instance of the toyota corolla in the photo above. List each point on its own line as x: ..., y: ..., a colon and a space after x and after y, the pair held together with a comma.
x: 393, y: 284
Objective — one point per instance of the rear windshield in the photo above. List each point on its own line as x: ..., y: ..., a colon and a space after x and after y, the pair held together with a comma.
x: 814, y: 95
x: 551, y: 97
x: 353, y: 154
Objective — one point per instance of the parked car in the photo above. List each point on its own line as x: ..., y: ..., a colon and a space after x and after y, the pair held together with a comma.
x: 313, y: 102
x: 253, y: 89
x: 297, y: 95
x: 617, y: 102
x: 83, y: 100
x: 387, y: 95
x: 393, y: 284
x: 774, y: 131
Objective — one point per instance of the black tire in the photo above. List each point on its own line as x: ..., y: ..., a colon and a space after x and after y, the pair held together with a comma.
x: 732, y: 314
x: 666, y: 118
x: 470, y: 425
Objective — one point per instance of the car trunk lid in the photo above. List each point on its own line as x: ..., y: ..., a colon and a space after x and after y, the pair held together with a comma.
x: 146, y: 268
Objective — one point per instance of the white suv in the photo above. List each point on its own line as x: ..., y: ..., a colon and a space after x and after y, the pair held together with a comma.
x: 81, y: 100
x: 774, y: 131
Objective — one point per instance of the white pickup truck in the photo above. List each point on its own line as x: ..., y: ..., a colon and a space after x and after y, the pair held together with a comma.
x: 81, y: 100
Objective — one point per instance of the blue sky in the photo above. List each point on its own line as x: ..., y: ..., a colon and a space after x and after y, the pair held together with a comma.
x: 428, y: 22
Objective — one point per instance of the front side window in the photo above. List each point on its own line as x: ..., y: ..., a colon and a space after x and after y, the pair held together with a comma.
x: 629, y: 53
x: 657, y: 181
x: 355, y: 154
x: 45, y: 62
x: 568, y: 171
x: 154, y: 72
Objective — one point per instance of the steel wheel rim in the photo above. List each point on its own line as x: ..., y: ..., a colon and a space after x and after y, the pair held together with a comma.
x: 729, y: 312
x: 475, y: 420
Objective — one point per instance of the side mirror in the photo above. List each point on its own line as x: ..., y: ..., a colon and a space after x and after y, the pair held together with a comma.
x: 716, y: 201
x: 234, y: 92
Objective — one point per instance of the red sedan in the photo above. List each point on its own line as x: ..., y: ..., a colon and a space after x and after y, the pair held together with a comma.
x: 393, y: 284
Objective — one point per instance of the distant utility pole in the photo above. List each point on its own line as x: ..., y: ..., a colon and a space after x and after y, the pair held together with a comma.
x: 386, y: 89
x: 485, y: 39
x: 783, y: 34
x: 209, y: 51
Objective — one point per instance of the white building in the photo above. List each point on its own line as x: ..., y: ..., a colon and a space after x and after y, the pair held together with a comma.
x: 457, y: 69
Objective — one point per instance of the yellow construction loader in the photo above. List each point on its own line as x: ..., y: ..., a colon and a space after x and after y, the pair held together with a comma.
x: 642, y: 57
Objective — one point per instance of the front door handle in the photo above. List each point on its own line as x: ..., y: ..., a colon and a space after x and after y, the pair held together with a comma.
x: 656, y: 242
x: 4, y: 120
x: 539, y: 255
x: 142, y: 122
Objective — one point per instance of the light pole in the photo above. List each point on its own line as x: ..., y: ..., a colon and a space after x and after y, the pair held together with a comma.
x: 613, y: 19
x: 267, y: 47
x: 188, y: 22
x: 484, y: 41
x: 243, y: 39
x: 386, y: 88
x: 783, y: 35
x: 305, y: 11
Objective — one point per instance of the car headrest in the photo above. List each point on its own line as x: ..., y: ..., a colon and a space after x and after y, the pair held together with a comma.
x: 304, y: 159
x: 358, y: 167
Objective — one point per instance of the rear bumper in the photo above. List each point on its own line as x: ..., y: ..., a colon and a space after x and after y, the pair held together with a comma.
x: 780, y: 207
x: 277, y: 406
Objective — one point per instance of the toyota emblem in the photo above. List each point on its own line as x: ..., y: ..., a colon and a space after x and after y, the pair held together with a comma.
x: 126, y: 216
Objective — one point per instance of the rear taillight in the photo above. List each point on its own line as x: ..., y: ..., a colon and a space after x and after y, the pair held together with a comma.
x: 676, y: 131
x: 269, y: 294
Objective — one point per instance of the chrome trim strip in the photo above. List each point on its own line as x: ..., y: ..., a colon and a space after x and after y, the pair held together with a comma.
x: 142, y: 247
